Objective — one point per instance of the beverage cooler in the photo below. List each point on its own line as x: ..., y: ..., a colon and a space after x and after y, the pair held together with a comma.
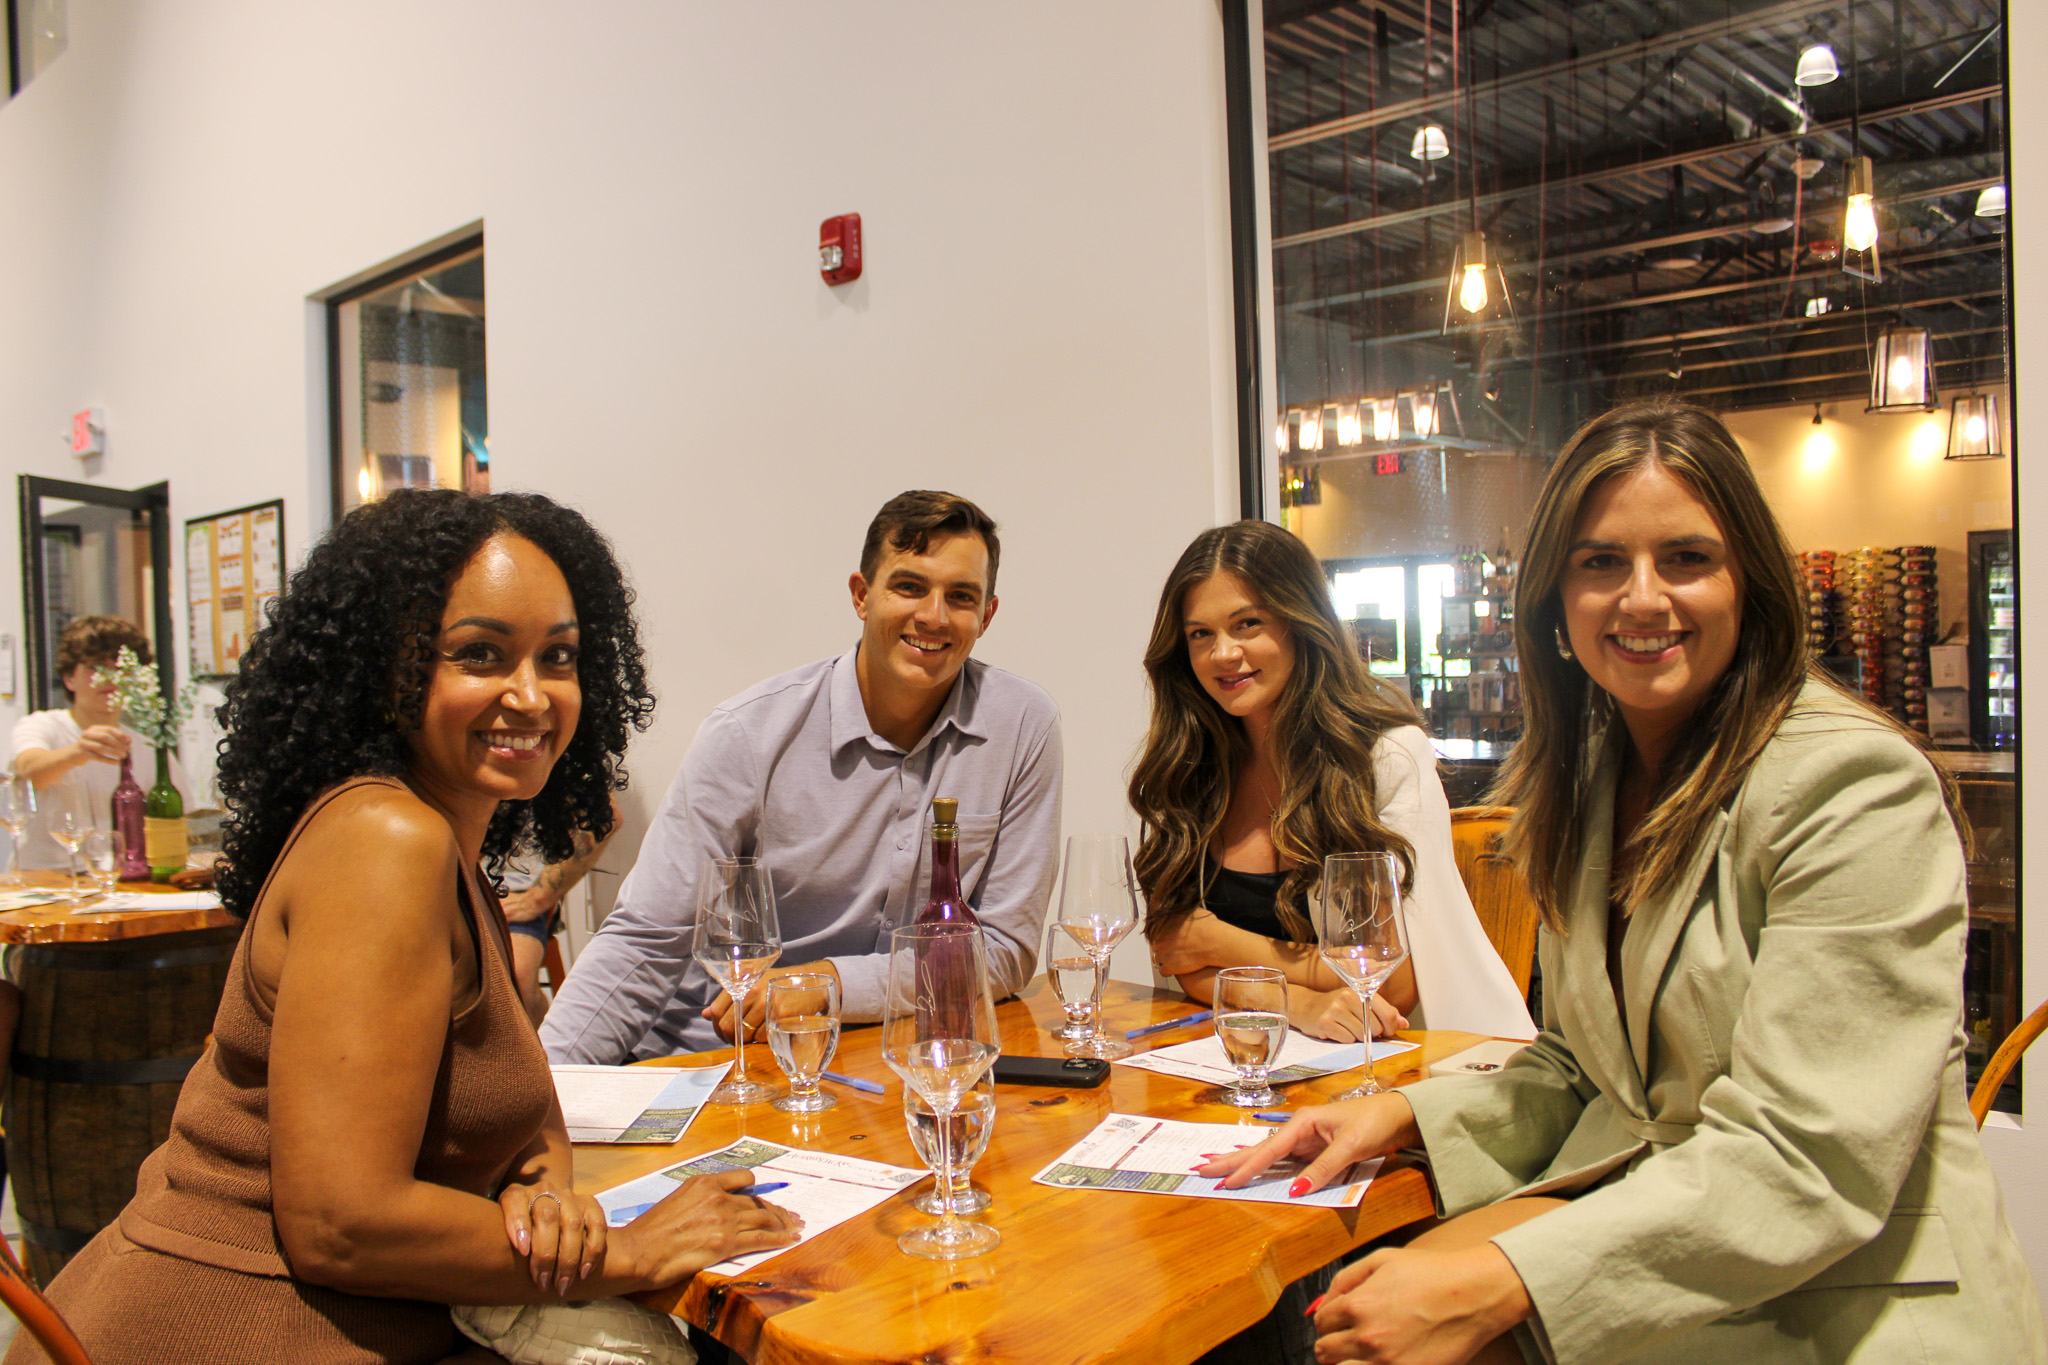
x: 1994, y: 646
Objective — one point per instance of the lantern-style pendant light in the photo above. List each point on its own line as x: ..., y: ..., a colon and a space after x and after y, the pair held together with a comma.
x: 1350, y: 431
x: 1902, y: 371
x: 1311, y: 429
x: 1424, y: 417
x: 1973, y: 430
x: 1477, y: 290
x: 1860, y: 256
x: 1386, y: 420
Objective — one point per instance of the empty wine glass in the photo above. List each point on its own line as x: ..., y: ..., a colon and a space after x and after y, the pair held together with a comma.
x: 939, y: 1034
x: 1074, y: 977
x: 803, y: 1033
x: 1251, y: 1023
x: 102, y: 849
x: 68, y: 822
x: 1361, y: 934
x: 1098, y: 906
x: 972, y: 1122
x: 738, y: 939
x: 17, y: 808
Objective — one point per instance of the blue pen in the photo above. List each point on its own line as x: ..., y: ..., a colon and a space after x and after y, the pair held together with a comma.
x: 868, y: 1087
x: 1273, y: 1116
x: 618, y: 1218
x: 1202, y: 1018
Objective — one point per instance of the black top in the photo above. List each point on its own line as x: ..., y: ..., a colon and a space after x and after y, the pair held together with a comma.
x: 1247, y: 900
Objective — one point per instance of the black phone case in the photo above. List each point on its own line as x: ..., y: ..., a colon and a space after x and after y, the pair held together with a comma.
x: 1074, y: 1073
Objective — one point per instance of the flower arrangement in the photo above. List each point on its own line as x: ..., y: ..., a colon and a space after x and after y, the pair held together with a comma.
x: 144, y: 708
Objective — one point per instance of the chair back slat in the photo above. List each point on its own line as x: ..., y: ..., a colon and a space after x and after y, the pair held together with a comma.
x: 1507, y: 912
x: 2004, y: 1060
x: 35, y: 1313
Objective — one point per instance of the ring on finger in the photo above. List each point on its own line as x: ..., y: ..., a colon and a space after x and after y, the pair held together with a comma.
x: 544, y: 1194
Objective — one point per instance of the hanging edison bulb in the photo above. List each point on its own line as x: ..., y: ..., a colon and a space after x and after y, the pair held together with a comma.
x: 1311, y: 429
x: 1859, y: 222
x: 1386, y: 419
x: 1472, y: 293
x: 1350, y: 431
x: 1280, y: 434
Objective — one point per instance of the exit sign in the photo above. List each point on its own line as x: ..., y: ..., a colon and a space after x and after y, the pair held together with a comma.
x: 1387, y: 462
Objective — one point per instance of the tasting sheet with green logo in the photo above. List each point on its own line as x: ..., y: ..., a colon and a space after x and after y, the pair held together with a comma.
x: 1301, y: 1058
x: 633, y: 1103
x: 1144, y: 1155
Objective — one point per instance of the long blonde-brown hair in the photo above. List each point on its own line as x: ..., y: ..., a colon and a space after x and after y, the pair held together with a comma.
x: 1546, y: 775
x: 1328, y: 718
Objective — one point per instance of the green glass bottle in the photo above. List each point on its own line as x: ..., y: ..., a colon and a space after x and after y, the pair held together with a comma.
x: 163, y: 823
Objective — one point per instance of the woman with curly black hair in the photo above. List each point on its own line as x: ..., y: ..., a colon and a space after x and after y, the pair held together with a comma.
x: 372, y: 1132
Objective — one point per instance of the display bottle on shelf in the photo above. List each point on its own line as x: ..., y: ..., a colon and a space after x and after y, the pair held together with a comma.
x: 164, y: 823
x: 946, y: 904
x: 130, y: 822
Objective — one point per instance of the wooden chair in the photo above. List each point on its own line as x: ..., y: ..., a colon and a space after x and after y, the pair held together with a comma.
x: 43, y: 1322
x: 1506, y: 910
x: 2004, y: 1060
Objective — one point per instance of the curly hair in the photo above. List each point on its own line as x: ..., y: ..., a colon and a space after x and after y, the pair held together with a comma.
x: 1328, y: 718
x: 335, y: 682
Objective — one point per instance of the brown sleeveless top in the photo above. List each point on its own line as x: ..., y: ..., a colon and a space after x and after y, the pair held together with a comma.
x: 205, y: 1194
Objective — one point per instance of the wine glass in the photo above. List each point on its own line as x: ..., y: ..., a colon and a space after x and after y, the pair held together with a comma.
x: 17, y: 808
x: 1098, y: 906
x: 738, y: 939
x: 103, y: 858
x: 1251, y: 1023
x: 68, y: 823
x: 939, y: 1034
x: 972, y: 1122
x: 803, y: 1033
x: 1074, y: 977
x: 1360, y: 933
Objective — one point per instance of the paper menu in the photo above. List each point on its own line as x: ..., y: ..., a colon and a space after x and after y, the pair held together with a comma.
x: 1301, y: 1058
x: 825, y: 1189
x: 633, y: 1103
x: 1139, y: 1154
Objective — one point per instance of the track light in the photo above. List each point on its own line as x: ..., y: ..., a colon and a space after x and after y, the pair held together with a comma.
x: 1817, y: 66
x: 1430, y: 143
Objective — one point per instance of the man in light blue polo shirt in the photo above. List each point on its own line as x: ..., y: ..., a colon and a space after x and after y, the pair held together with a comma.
x: 828, y: 772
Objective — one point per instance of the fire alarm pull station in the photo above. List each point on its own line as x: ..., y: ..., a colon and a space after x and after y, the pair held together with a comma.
x: 839, y: 248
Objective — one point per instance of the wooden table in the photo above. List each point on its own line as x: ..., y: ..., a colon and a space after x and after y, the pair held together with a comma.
x: 1080, y: 1276
x: 57, y: 923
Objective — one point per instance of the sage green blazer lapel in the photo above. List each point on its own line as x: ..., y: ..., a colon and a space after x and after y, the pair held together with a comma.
x: 1647, y: 948
x: 1586, y: 1000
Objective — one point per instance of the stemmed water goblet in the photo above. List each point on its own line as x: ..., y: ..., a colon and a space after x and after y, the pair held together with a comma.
x: 1098, y: 906
x: 802, y: 1015
x: 939, y: 1034
x: 738, y: 939
x: 1361, y: 934
x: 1074, y: 977
x: 17, y: 808
x: 972, y: 1123
x: 102, y: 849
x: 69, y: 820
x: 1251, y: 1023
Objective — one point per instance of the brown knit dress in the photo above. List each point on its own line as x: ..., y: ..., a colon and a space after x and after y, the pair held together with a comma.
x: 193, y: 1270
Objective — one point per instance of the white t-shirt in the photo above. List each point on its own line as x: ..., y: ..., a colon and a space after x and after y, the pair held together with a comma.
x: 96, y: 777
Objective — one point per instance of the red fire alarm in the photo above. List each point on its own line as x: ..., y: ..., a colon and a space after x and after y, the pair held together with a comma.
x: 839, y: 248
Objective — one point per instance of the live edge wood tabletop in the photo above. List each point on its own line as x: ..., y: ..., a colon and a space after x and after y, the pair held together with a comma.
x: 1081, y: 1276
x: 58, y: 924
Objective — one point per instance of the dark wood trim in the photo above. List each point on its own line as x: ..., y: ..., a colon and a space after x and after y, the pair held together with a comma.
x: 154, y: 502
x: 1244, y: 257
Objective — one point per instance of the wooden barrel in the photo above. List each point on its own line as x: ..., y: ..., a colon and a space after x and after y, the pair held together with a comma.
x: 108, y: 1031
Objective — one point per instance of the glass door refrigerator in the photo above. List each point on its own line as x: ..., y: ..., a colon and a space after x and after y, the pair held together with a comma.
x: 1994, y: 640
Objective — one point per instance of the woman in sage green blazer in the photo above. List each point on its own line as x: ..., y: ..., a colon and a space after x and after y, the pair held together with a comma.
x: 1741, y: 1135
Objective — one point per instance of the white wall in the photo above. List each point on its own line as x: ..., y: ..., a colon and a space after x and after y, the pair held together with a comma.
x: 1044, y: 322
x: 2021, y: 1154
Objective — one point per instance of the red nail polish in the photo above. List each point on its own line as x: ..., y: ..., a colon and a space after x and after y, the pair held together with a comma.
x: 1298, y: 1188
x: 1314, y: 1306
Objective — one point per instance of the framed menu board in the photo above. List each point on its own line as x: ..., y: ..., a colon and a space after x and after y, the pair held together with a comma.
x: 234, y: 568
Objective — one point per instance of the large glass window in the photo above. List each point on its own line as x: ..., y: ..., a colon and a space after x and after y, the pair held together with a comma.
x: 37, y: 33
x: 409, y: 402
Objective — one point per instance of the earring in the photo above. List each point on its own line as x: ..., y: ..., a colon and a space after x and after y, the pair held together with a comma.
x: 1564, y: 651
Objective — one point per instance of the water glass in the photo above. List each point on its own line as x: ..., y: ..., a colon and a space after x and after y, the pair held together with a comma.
x: 737, y: 940
x: 972, y: 1122
x: 103, y: 858
x: 1075, y: 980
x: 803, y: 1033
x: 1251, y: 1023
x: 69, y: 820
x: 1098, y: 907
x: 17, y: 808
x: 1361, y: 934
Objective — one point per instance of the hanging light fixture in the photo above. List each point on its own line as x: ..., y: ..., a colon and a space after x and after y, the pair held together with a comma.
x: 1424, y: 416
x: 1280, y: 434
x: 1817, y: 66
x: 1819, y: 306
x: 1902, y: 371
x: 1973, y: 429
x: 1430, y: 144
x: 1477, y: 290
x: 1350, y: 431
x: 1991, y: 202
x: 1859, y: 221
x: 1386, y: 420
x: 1311, y: 429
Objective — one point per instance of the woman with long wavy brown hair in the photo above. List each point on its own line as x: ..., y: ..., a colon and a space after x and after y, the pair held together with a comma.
x: 1271, y: 747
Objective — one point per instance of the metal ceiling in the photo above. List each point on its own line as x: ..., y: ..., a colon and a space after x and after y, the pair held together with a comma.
x: 1600, y: 144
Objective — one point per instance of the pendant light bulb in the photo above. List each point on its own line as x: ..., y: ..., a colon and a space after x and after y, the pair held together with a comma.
x: 1472, y: 294
x: 1991, y: 202
x: 1859, y: 224
x: 1350, y: 431
x: 1386, y: 419
x: 1817, y: 66
x: 1311, y: 429
x: 1974, y: 429
x: 1430, y: 144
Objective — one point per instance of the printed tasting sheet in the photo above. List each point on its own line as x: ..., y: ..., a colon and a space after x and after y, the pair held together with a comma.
x: 1301, y: 1058
x: 1138, y: 1153
x: 825, y: 1189
x: 633, y: 1103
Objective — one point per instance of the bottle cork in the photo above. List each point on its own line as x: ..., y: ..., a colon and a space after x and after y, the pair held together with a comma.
x: 945, y: 810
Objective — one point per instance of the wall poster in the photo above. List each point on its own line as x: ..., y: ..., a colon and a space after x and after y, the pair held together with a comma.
x: 234, y: 569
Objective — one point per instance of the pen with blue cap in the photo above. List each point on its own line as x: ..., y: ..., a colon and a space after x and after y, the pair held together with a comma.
x: 1184, y: 1021
x: 620, y: 1217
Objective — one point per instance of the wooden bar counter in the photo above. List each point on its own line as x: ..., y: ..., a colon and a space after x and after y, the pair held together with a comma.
x: 1081, y: 1276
